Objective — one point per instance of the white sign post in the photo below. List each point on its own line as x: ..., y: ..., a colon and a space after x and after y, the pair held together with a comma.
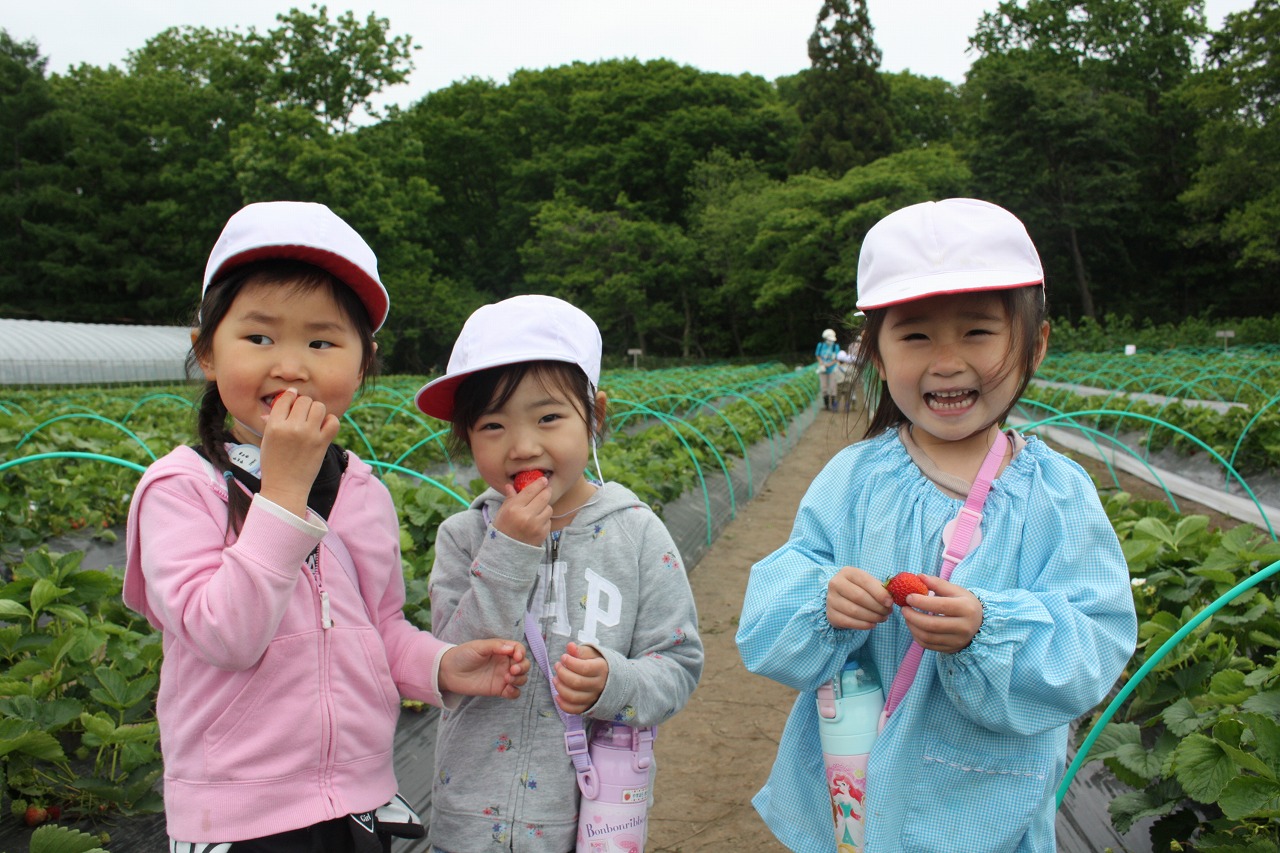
x: 1226, y: 335
x: 635, y: 354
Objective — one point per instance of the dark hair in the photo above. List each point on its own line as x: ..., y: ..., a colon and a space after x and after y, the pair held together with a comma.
x: 1025, y: 307
x: 488, y: 390
x: 211, y: 413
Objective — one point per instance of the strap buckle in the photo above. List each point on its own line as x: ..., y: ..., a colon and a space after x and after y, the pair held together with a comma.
x: 955, y: 528
x: 575, y: 742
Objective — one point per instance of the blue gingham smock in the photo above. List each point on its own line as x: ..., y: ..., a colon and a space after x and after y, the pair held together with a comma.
x: 972, y: 758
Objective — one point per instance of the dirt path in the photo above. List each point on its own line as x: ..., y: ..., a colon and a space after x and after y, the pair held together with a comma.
x: 715, y: 754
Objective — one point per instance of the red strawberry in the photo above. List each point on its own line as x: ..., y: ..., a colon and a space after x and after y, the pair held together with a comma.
x: 526, y: 478
x: 35, y: 815
x: 903, y: 584
x: 55, y: 812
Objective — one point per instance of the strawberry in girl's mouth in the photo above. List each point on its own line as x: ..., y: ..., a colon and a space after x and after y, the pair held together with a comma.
x: 526, y: 478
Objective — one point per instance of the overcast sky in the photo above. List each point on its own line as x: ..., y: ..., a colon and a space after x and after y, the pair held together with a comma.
x: 493, y: 38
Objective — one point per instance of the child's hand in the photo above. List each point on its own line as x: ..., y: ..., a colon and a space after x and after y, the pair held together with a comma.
x: 581, y: 674
x: 295, y: 436
x: 951, y: 619
x: 485, y: 668
x: 526, y: 515
x: 855, y: 599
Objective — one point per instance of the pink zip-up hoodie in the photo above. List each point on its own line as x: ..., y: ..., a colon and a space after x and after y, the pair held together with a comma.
x: 280, y: 687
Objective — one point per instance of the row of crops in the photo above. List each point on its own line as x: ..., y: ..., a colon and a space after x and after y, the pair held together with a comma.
x: 1195, y: 733
x: 1220, y: 408
x: 1195, y: 729
x: 79, y: 671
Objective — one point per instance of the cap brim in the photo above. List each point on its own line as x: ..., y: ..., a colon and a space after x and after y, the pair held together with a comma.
x: 372, y: 294
x: 946, y: 285
x: 436, y: 397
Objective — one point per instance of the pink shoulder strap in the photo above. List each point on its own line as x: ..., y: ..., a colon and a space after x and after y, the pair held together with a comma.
x: 954, y: 550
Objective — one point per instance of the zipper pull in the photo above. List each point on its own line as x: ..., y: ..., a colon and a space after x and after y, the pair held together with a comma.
x: 325, y: 621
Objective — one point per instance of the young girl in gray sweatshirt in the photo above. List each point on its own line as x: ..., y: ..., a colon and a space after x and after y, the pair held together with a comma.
x: 590, y: 564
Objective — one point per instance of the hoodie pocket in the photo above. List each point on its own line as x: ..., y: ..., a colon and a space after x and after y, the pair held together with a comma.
x: 366, y: 703
x: 272, y: 727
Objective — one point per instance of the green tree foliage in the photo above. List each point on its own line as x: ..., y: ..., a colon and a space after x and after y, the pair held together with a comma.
x: 926, y: 110
x: 842, y: 102
x: 1076, y: 125
x: 693, y: 213
x: 333, y: 68
x: 32, y: 139
x: 787, y: 250
x: 616, y: 139
x: 1235, y: 196
x: 631, y: 273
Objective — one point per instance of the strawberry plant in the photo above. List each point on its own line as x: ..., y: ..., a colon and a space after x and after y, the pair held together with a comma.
x: 77, y: 681
x: 1198, y: 740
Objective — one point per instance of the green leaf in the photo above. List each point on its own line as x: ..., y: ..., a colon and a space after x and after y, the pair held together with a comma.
x: 1139, y: 760
x: 1266, y: 737
x: 63, y: 839
x: 1228, y: 688
x: 1203, y: 767
x: 1128, y: 808
x: 98, y: 726
x: 44, y: 592
x: 1267, y: 703
x: 36, y: 744
x: 10, y: 609
x: 68, y: 613
x: 1181, y: 718
x: 1154, y: 528
x: 1189, y: 527
x: 1250, y: 796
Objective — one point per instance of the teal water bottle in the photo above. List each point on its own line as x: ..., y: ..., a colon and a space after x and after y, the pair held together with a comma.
x: 849, y: 709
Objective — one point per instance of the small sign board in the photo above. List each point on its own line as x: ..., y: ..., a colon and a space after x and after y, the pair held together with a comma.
x: 1225, y: 333
x: 635, y: 353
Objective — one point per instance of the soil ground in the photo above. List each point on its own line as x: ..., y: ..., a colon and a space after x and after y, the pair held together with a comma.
x: 715, y: 754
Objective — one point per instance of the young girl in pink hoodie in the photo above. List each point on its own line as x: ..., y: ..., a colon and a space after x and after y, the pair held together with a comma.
x: 269, y: 558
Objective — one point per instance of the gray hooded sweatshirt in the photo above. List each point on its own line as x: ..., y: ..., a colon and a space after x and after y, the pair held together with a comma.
x: 503, y: 779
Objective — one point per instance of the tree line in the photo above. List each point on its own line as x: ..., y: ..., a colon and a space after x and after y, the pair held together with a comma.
x: 691, y: 213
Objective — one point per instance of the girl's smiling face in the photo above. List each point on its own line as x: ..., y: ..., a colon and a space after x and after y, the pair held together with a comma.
x: 946, y: 361
x: 275, y: 337
x: 538, y: 427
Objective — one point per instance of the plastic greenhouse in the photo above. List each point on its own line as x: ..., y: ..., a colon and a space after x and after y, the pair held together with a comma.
x: 36, y: 352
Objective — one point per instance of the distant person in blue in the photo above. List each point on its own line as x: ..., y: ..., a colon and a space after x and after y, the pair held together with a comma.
x: 825, y: 353
x: 1037, y: 621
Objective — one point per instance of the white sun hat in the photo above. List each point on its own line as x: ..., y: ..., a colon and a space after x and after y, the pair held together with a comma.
x: 300, y: 231
x: 828, y: 334
x: 958, y: 245
x: 523, y: 328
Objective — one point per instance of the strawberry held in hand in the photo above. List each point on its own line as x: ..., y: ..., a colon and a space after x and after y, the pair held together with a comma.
x: 527, y: 478
x: 903, y: 584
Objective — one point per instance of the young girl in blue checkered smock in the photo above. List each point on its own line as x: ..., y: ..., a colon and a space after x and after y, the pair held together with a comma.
x: 1035, y: 624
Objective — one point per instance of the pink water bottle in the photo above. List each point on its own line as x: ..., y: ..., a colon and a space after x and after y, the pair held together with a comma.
x: 849, y: 709
x: 614, y: 813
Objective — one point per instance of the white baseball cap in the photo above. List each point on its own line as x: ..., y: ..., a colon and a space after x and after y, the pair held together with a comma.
x: 958, y: 245
x: 828, y: 334
x: 515, y: 330
x: 300, y: 231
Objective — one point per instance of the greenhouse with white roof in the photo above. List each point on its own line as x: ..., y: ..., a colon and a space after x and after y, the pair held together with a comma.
x: 36, y: 352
